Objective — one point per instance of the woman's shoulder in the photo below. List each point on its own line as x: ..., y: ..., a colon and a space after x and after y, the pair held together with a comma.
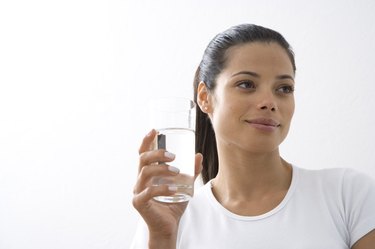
x: 346, y: 181
x: 343, y: 175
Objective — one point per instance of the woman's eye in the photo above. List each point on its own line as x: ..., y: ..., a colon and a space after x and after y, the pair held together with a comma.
x: 246, y: 85
x: 286, y: 89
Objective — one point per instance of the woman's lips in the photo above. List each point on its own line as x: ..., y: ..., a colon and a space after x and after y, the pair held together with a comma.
x: 264, y: 124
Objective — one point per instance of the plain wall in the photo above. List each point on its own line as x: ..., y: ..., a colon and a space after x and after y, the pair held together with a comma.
x: 76, y: 76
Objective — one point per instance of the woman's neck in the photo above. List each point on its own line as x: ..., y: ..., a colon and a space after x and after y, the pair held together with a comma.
x: 246, y: 178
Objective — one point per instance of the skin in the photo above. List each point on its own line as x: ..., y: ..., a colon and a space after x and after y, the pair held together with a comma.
x: 252, y: 178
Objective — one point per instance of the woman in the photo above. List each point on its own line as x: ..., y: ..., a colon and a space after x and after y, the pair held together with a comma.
x: 252, y: 198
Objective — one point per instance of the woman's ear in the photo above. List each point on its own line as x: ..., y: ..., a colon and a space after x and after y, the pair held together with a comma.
x: 204, y: 98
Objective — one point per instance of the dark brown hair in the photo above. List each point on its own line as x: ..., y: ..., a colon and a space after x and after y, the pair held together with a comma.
x: 212, y: 63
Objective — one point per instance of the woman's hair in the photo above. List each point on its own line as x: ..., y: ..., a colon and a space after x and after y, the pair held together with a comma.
x: 212, y: 63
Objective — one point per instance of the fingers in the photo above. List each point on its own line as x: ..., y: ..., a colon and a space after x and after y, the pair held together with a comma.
x: 150, y: 156
x: 148, y: 172
x: 155, y: 156
x: 147, y: 142
x: 151, y: 165
x: 139, y: 200
x: 144, y: 191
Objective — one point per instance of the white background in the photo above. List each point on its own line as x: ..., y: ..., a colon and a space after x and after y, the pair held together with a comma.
x: 76, y: 75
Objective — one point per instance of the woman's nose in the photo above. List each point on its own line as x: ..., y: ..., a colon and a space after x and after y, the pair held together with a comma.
x: 267, y: 102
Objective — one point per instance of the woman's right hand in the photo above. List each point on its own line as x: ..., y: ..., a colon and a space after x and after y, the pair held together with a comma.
x: 162, y: 219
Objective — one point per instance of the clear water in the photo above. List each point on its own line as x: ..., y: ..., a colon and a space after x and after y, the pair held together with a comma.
x: 180, y: 142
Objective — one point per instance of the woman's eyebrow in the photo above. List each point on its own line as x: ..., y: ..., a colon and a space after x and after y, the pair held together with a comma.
x: 284, y: 76
x: 279, y: 77
x: 248, y: 73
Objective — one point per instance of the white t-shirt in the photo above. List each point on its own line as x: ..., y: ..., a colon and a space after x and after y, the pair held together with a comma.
x: 323, y: 209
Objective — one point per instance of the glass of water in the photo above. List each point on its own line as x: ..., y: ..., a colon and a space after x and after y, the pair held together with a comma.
x: 174, y: 120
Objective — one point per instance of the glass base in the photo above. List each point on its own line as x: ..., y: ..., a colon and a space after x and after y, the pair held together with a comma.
x: 184, y: 194
x: 177, y: 198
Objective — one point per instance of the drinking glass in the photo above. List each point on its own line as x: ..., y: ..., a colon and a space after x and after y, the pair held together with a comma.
x: 174, y: 120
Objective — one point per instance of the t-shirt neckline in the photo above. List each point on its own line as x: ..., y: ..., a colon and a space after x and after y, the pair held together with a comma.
x: 213, y: 201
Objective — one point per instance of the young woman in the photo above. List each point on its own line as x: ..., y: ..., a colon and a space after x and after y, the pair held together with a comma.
x: 252, y: 198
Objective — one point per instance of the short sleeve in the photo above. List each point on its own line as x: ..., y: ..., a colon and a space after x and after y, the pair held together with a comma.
x: 359, y: 204
x: 140, y: 240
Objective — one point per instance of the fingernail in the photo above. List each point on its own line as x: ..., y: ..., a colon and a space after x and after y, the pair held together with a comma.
x: 172, y: 188
x: 169, y: 155
x: 173, y: 169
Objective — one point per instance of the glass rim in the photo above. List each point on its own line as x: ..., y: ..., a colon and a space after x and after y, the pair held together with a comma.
x: 157, y: 103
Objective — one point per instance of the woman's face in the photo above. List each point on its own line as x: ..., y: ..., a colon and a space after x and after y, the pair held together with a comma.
x: 253, y: 104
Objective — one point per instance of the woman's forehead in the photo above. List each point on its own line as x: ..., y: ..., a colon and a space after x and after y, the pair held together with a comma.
x: 258, y: 56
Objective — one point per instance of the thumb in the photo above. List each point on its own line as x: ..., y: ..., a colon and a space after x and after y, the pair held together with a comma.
x: 198, y: 165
